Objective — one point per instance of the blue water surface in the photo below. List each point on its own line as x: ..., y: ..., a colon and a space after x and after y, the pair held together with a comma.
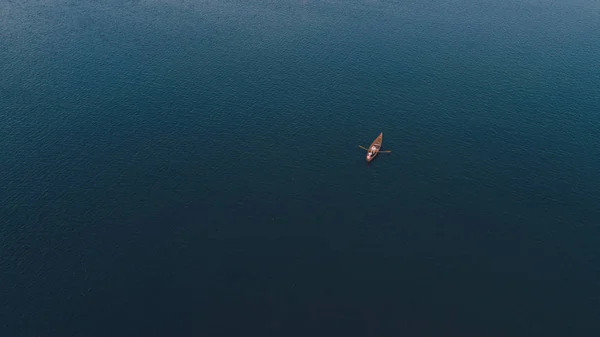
x: 191, y: 168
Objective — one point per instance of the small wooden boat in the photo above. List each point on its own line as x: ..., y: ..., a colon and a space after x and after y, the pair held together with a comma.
x: 375, y: 148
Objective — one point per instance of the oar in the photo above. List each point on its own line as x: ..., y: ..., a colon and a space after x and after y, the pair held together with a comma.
x: 364, y: 148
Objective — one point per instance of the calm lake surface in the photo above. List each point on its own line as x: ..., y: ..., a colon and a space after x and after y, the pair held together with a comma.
x: 191, y: 168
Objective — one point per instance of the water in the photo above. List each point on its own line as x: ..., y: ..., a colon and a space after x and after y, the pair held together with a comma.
x: 192, y: 168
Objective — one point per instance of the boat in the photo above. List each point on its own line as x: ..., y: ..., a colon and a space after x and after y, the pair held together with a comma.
x: 375, y: 148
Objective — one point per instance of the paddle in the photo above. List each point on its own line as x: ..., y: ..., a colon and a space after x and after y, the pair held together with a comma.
x: 364, y: 148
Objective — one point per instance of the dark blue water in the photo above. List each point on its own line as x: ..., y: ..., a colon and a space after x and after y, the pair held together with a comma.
x: 191, y: 168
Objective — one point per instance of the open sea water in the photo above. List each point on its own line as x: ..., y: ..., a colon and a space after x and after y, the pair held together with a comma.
x: 191, y: 168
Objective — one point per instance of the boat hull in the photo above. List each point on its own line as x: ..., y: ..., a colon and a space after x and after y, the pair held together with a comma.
x: 374, y: 148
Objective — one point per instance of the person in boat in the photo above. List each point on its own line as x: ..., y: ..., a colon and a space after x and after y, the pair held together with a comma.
x: 373, y: 148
